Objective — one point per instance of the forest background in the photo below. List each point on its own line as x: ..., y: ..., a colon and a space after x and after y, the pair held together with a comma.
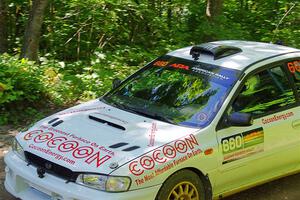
x: 55, y: 53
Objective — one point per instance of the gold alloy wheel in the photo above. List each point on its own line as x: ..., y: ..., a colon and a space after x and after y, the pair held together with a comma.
x: 184, y: 191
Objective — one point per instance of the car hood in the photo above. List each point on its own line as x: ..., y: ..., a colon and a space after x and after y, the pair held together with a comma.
x: 96, y: 137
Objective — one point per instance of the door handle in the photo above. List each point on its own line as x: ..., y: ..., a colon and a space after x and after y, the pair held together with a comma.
x: 296, y: 124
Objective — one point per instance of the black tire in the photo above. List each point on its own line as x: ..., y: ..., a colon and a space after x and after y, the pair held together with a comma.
x: 182, y: 185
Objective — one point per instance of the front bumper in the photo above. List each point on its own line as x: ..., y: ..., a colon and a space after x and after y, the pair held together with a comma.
x: 23, y: 182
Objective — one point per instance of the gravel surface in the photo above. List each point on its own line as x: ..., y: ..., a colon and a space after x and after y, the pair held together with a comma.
x: 283, y: 189
x: 6, y: 134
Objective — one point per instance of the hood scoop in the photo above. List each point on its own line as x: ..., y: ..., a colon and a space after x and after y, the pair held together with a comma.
x: 107, y: 122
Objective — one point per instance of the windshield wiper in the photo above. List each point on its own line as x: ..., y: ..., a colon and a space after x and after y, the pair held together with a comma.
x: 115, y: 104
x: 162, y: 118
x: 140, y: 111
x: 146, y: 113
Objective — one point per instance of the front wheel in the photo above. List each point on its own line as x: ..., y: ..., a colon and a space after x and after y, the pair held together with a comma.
x: 182, y: 185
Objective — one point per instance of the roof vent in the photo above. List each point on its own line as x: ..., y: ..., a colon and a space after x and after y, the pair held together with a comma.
x: 216, y: 50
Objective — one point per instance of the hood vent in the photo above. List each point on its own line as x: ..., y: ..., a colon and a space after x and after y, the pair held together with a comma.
x: 122, y: 144
x: 56, y: 122
x: 53, y: 120
x: 107, y: 122
x: 131, y: 148
x: 114, y: 146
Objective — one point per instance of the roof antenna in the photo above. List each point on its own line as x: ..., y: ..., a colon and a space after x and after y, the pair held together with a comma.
x: 280, y: 21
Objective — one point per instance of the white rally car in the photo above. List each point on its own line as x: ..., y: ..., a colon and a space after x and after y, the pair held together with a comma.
x: 199, y: 123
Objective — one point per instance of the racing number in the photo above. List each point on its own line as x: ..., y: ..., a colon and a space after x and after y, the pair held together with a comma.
x: 232, y: 143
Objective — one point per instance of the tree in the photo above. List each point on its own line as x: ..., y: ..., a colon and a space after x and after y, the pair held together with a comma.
x: 214, y: 8
x: 33, y: 30
x: 3, y: 26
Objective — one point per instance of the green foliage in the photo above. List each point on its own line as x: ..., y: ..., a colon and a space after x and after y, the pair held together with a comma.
x: 26, y: 87
x: 86, y: 44
x: 20, y: 80
x: 20, y: 86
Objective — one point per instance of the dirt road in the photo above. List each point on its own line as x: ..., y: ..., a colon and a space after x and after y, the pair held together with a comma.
x: 283, y: 189
x: 6, y: 134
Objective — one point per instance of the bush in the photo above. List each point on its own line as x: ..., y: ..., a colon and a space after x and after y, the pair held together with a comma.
x: 20, y: 80
x: 20, y: 85
x: 26, y: 87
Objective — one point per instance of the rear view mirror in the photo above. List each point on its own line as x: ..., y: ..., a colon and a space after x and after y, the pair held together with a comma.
x: 116, y: 82
x: 239, y: 119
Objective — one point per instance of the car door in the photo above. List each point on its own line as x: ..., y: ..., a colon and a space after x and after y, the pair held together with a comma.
x: 292, y: 67
x: 270, y: 146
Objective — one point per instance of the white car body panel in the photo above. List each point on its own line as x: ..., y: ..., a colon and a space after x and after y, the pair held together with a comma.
x: 22, y: 182
x: 251, y: 53
x: 90, y: 134
x: 161, y: 148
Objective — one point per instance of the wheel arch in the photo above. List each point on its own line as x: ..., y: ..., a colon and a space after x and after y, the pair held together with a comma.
x: 205, y: 180
x: 203, y: 177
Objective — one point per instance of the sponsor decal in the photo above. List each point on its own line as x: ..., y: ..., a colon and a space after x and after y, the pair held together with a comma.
x: 242, y: 145
x: 152, y: 134
x: 167, y: 166
x: 276, y: 118
x: 81, y: 110
x: 56, y: 156
x: 209, y: 73
x: 208, y: 151
x: 67, y: 145
x: 174, y: 65
x: 186, y: 146
x: 294, y: 66
x: 161, y: 63
x: 201, y: 117
x: 180, y: 66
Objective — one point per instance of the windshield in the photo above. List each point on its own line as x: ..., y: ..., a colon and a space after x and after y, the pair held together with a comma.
x: 175, y: 90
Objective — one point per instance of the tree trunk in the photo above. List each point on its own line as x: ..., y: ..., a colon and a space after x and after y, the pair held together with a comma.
x: 214, y: 8
x: 33, y: 30
x: 3, y: 26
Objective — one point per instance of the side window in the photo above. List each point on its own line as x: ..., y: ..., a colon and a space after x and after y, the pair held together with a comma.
x: 264, y: 92
x: 294, y: 69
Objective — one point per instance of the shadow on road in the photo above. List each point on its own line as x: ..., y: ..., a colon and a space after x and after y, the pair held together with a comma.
x: 287, y: 188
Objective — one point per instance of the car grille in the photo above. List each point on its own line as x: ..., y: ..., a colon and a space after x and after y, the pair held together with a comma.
x: 50, y: 167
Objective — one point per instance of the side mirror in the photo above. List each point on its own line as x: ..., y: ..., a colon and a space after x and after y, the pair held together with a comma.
x: 116, y: 82
x: 239, y: 119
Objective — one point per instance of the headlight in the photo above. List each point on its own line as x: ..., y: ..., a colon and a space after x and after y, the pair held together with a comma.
x: 104, y: 182
x: 17, y: 148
